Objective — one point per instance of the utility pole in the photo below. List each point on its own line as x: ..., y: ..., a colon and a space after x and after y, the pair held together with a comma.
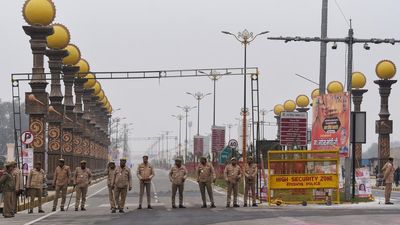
x: 186, y: 109
x: 349, y: 41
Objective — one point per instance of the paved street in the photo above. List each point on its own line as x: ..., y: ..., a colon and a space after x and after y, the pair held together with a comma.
x: 98, y: 211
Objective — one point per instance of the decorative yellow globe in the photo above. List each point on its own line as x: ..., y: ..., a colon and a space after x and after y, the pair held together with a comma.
x: 101, y: 95
x: 39, y: 12
x: 84, y: 68
x: 97, y: 88
x: 104, y: 101
x: 335, y: 87
x: 278, y: 109
x: 91, y: 81
x: 74, y: 55
x: 385, y: 69
x: 110, y: 109
x: 107, y: 105
x: 302, y: 101
x: 289, y: 105
x: 358, y: 80
x: 314, y: 93
x: 60, y: 38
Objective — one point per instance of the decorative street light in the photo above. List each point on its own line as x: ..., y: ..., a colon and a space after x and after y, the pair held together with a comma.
x: 198, y: 96
x: 186, y: 109
x: 245, y: 38
x: 179, y: 117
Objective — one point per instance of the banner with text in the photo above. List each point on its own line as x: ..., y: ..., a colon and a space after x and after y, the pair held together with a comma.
x: 304, y: 181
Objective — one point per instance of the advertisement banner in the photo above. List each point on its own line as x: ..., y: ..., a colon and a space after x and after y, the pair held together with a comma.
x: 27, y: 160
x: 363, y: 182
x: 304, y: 181
x: 331, y: 123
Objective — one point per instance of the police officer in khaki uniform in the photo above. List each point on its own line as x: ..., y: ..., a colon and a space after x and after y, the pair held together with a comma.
x: 61, y: 178
x: 82, y: 180
x: 232, y: 174
x: 121, y: 182
x: 388, y: 175
x: 145, y: 173
x: 177, y: 176
x: 8, y: 184
x: 250, y: 174
x: 19, y: 186
x: 35, y: 186
x: 110, y: 176
x: 205, y: 177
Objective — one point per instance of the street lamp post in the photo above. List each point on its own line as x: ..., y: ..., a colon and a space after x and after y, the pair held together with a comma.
x: 179, y: 117
x: 263, y: 113
x: 245, y: 38
x: 186, y: 109
x: 116, y: 131
x: 198, y: 96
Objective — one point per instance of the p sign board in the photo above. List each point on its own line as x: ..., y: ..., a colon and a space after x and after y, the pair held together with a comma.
x: 26, y: 137
x: 233, y: 144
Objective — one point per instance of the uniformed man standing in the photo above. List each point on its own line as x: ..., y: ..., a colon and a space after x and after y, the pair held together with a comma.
x: 8, y: 185
x: 35, y: 186
x: 82, y: 180
x: 388, y: 174
x: 177, y: 176
x: 110, y: 176
x: 19, y: 186
x: 145, y: 173
x: 205, y: 177
x: 61, y: 178
x: 250, y: 174
x: 232, y: 174
x: 121, y: 183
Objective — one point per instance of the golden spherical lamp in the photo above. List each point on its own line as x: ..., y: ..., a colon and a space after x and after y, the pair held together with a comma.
x: 335, y: 87
x: 107, y: 105
x: 302, y: 101
x: 74, y: 55
x: 104, y: 101
x: 314, y: 93
x: 358, y: 80
x: 278, y: 109
x: 39, y: 12
x: 385, y: 69
x: 84, y: 68
x: 91, y: 81
x: 289, y: 105
x: 60, y: 38
x: 101, y: 95
x: 96, y: 88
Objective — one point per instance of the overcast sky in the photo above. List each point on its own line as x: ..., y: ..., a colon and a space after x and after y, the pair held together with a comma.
x: 126, y: 35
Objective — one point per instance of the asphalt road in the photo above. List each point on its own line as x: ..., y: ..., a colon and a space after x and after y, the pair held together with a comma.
x: 98, y: 210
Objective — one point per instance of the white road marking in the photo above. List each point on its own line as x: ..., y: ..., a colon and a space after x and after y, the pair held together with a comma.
x: 52, y: 213
x: 131, y: 205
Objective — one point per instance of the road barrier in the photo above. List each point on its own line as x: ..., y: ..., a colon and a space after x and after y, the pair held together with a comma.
x: 303, y: 176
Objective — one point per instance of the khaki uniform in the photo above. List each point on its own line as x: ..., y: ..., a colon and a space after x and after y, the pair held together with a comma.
x: 177, y: 175
x: 82, y: 179
x: 250, y: 173
x: 8, y: 186
x: 122, y: 181
x: 232, y: 176
x: 60, y: 181
x: 145, y: 173
x: 205, y: 177
x: 18, y: 180
x: 110, y: 176
x: 388, y: 177
x: 35, y: 185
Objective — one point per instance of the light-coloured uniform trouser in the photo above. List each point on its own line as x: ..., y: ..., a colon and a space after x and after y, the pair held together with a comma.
x: 111, y: 197
x: 35, y: 192
x: 388, y: 192
x: 176, y: 187
x: 235, y: 188
x: 144, y: 185
x: 63, y: 190
x: 80, y: 192
x: 250, y: 185
x: 8, y: 203
x: 203, y: 186
x: 120, y: 196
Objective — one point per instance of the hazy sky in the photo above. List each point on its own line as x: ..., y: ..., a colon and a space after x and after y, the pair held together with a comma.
x: 126, y: 35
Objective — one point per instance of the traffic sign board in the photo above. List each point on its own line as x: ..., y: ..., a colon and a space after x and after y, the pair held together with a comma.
x: 293, y: 129
x: 26, y: 137
x: 233, y: 143
x: 224, y: 155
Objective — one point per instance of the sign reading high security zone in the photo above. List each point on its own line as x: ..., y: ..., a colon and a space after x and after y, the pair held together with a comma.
x: 293, y: 128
